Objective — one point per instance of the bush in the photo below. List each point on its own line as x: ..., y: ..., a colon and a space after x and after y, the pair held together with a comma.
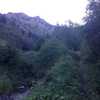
x: 5, y: 85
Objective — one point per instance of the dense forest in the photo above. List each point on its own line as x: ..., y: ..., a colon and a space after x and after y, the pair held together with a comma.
x: 51, y: 62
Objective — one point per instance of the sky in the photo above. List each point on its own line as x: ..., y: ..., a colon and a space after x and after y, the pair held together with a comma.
x: 53, y: 11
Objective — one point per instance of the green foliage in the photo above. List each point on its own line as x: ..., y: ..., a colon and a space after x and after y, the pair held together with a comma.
x: 92, y: 27
x: 63, y: 69
x: 57, y: 62
x: 61, y: 83
x: 47, y: 56
x: 51, y: 93
x: 69, y: 36
x: 5, y: 85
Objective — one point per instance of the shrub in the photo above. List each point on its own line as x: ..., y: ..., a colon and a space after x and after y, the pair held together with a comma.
x: 5, y: 85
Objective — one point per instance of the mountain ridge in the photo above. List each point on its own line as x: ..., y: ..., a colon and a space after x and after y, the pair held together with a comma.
x: 23, y: 31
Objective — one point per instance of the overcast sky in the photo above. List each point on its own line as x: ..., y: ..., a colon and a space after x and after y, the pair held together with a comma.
x: 53, y: 11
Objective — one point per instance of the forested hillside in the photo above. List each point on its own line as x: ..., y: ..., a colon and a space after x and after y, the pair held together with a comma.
x: 52, y: 62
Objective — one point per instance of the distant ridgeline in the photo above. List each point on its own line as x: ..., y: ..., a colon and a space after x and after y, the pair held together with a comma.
x: 23, y: 31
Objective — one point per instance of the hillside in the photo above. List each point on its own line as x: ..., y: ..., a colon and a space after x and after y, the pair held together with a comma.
x: 40, y: 61
x: 23, y: 31
x: 32, y: 50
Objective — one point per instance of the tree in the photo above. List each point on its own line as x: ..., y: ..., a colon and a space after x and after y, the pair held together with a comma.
x: 92, y: 27
x: 47, y: 56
